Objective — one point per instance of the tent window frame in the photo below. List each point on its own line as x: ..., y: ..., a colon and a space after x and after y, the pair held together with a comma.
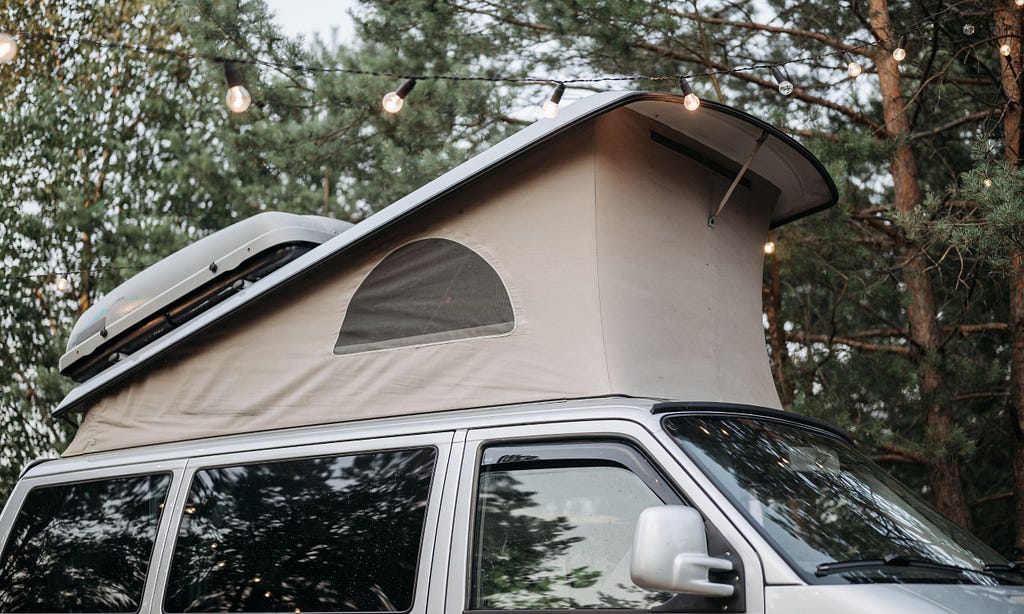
x: 493, y: 324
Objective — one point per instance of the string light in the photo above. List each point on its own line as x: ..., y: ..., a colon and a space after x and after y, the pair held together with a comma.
x: 785, y: 85
x: 969, y: 29
x: 394, y: 101
x: 690, y: 100
x: 853, y: 67
x: 900, y: 52
x: 238, y: 98
x: 769, y: 247
x: 1005, y: 49
x: 550, y: 107
x: 62, y: 284
x: 1019, y: 2
x: 8, y: 48
x: 986, y: 182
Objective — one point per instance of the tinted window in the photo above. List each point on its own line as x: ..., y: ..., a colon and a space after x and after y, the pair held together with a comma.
x: 427, y: 291
x: 836, y: 515
x: 557, y: 532
x: 82, y: 547
x: 313, y: 535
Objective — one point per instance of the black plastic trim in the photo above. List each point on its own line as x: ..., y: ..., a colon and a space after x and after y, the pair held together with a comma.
x: 739, y: 409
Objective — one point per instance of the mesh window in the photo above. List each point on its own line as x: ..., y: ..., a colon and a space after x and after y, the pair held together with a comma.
x: 427, y: 291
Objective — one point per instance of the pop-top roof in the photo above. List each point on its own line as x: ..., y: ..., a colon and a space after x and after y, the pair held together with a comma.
x: 716, y: 137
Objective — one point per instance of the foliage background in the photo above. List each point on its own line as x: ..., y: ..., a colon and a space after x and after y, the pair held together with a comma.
x: 113, y: 159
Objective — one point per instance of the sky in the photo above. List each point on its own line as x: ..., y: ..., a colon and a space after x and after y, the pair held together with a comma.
x: 306, y: 17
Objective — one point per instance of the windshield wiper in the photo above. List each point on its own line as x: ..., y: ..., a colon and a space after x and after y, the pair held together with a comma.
x: 895, y: 560
x: 1016, y: 567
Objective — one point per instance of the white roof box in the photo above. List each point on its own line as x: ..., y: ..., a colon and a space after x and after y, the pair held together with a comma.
x: 187, y: 283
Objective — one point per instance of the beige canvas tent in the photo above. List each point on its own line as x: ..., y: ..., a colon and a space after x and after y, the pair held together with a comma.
x: 575, y: 259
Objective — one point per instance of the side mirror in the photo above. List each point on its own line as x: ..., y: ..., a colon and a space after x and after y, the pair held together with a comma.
x: 670, y: 553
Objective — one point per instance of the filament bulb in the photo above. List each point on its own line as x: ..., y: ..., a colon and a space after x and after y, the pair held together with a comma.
x: 690, y: 100
x: 900, y: 52
x: 63, y: 284
x: 8, y: 48
x: 238, y: 99
x: 769, y: 247
x: 394, y: 101
x: 1004, y: 49
x: 854, y: 68
x: 550, y: 107
x: 969, y: 29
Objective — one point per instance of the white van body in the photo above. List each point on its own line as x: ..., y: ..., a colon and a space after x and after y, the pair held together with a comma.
x: 538, y: 383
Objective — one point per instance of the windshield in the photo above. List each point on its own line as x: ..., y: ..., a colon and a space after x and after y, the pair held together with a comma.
x: 835, y: 515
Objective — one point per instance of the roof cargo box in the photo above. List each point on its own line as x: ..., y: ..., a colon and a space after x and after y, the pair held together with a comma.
x: 187, y: 283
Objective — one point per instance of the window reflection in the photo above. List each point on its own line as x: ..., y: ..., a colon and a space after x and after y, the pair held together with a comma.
x: 558, y: 537
x: 82, y: 547
x: 819, y: 500
x: 312, y: 535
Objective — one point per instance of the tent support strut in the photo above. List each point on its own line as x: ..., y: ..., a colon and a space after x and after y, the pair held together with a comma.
x: 739, y: 177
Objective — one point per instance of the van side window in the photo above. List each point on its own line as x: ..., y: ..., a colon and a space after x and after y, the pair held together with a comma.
x: 554, y: 527
x: 82, y: 547
x: 331, y: 534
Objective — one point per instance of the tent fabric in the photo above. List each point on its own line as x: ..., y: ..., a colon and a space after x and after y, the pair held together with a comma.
x: 615, y: 283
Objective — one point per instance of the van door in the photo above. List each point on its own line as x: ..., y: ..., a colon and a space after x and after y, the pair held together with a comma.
x: 545, y: 520
x: 308, y: 528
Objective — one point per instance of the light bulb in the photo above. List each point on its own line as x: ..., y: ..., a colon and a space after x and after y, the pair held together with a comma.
x: 855, y: 69
x: 1019, y: 2
x: 969, y: 29
x: 785, y: 85
x: 690, y: 100
x: 63, y: 284
x: 8, y: 48
x: 900, y: 52
x: 392, y: 102
x: 986, y: 182
x: 1005, y: 49
x: 238, y: 99
x: 550, y: 107
x: 769, y: 247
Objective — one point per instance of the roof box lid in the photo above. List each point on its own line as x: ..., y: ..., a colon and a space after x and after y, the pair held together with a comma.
x: 186, y: 283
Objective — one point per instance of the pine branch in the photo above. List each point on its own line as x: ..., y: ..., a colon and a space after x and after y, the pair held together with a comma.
x: 809, y: 338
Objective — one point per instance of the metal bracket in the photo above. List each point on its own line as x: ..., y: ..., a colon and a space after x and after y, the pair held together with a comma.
x: 739, y: 177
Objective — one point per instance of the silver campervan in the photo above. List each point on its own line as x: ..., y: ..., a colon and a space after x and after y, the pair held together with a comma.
x: 537, y: 383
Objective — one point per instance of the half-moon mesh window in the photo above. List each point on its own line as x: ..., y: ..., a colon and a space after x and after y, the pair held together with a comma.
x: 427, y: 291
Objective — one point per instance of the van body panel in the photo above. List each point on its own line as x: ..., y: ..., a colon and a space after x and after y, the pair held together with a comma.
x: 894, y: 599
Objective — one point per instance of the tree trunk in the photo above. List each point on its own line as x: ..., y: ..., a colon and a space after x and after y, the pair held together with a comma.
x: 772, y: 292
x: 943, y: 467
x: 1008, y: 30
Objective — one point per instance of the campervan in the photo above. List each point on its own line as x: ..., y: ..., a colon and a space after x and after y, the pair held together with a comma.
x: 537, y: 383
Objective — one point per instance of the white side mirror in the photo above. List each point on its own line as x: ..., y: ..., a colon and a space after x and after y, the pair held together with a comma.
x: 670, y: 553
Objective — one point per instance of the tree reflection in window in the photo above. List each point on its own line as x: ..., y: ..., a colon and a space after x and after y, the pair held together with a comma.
x: 82, y: 547
x: 319, y: 535
x: 550, y: 537
x: 819, y: 499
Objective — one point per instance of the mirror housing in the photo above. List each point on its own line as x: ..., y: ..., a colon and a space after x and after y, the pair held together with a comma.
x: 670, y: 553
